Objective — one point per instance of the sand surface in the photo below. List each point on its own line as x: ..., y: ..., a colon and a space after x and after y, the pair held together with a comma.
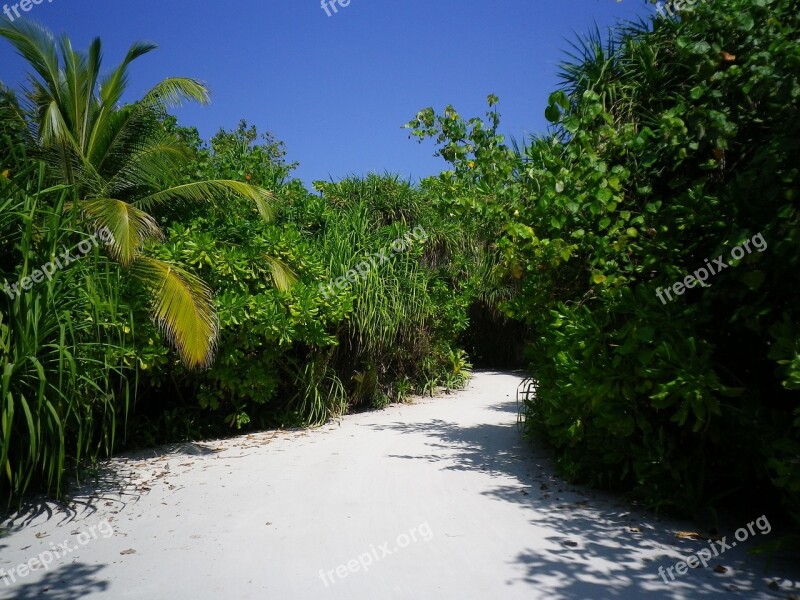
x: 440, y: 499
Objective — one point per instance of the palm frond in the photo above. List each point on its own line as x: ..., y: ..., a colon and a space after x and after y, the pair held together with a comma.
x: 205, y: 191
x: 283, y: 276
x: 116, y: 133
x: 130, y: 227
x: 183, y: 306
x: 114, y: 84
x: 146, y: 168
x: 54, y: 129
x: 37, y: 46
x: 174, y: 91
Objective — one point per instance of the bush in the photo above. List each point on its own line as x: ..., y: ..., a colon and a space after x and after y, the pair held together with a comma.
x: 674, y: 142
x: 294, y: 348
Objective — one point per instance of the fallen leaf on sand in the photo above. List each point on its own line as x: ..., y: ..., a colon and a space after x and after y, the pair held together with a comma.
x: 128, y: 551
x: 689, y: 535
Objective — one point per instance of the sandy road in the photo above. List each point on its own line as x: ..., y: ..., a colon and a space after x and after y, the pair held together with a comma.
x: 436, y: 500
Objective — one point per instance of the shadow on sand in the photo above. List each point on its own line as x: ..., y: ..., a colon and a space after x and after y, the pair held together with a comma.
x: 595, y: 545
x: 69, y: 582
x: 111, y: 485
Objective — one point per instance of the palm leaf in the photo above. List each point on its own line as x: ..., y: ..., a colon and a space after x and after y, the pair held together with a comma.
x: 173, y: 91
x: 183, y: 306
x: 207, y: 190
x: 35, y: 44
x: 54, y: 128
x: 130, y: 227
x: 282, y: 274
x: 145, y: 168
x: 114, y: 84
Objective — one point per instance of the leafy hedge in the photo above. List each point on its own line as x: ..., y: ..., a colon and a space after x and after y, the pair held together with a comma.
x: 86, y: 370
x: 293, y: 350
x: 674, y: 142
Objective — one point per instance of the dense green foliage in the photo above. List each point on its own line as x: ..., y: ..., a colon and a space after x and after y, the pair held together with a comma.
x: 294, y: 349
x: 673, y: 143
x: 102, y: 354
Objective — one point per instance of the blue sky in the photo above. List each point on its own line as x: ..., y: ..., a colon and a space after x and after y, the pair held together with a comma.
x: 337, y: 89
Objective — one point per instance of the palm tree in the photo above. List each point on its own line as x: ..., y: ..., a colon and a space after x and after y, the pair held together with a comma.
x: 121, y: 161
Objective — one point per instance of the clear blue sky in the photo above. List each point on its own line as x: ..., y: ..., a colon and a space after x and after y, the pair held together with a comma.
x: 337, y: 89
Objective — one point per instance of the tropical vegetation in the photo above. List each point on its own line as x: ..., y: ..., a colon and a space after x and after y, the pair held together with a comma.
x: 673, y: 141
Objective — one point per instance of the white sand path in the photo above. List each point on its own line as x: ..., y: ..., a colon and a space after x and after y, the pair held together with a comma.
x: 435, y: 500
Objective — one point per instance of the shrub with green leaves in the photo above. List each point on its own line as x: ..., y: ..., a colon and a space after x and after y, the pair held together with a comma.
x: 674, y: 141
x: 293, y: 349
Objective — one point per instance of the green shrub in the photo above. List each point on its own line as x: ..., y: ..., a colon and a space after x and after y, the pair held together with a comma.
x: 293, y: 347
x: 674, y: 142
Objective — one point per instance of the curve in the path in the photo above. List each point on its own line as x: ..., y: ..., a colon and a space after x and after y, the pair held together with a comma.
x: 436, y: 500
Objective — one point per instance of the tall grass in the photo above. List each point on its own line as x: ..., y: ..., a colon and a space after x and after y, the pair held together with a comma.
x: 320, y: 394
x: 390, y: 301
x: 401, y: 324
x: 61, y: 343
